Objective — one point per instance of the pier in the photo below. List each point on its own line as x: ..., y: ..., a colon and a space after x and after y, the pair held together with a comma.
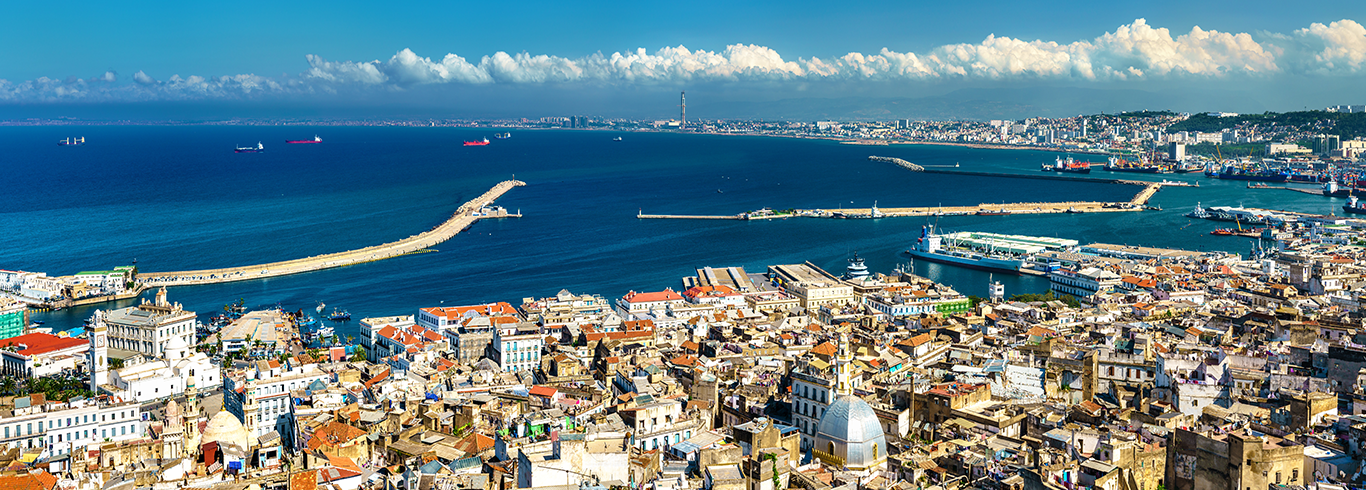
x: 1039, y: 176
x: 465, y: 216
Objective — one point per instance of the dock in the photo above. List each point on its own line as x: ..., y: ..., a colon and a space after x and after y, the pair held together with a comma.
x: 994, y: 209
x: 465, y: 216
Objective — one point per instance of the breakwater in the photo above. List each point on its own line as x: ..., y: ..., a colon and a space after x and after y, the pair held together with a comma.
x: 1039, y: 176
x: 465, y: 216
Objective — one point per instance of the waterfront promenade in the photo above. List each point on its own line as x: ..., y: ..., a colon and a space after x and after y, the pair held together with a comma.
x: 464, y: 216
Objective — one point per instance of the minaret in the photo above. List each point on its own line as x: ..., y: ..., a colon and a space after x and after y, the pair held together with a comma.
x: 844, y: 361
x: 191, y: 417
x: 99, y: 351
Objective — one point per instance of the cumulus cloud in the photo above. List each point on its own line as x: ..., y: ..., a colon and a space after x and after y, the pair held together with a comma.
x: 1135, y: 51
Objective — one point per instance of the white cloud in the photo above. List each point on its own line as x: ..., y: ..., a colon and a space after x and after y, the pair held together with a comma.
x: 1135, y: 51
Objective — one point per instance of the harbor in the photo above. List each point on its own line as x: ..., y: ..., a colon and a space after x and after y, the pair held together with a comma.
x: 465, y: 216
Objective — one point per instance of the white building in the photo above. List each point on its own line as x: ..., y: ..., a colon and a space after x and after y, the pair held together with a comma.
x: 166, y: 377
x: 259, y: 396
x: 148, y: 327
x: 517, y: 347
x: 62, y: 428
x: 40, y: 354
x: 1084, y: 283
x: 656, y: 303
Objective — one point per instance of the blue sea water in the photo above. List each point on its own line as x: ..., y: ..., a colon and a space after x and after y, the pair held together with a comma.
x: 178, y: 198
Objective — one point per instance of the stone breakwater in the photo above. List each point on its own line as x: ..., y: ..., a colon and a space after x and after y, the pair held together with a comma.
x: 464, y: 216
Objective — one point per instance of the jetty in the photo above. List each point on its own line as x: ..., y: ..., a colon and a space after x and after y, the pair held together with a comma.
x: 1137, y: 203
x: 465, y: 216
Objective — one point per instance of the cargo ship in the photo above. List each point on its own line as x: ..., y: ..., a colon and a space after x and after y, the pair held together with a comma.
x: 251, y: 149
x: 1117, y: 164
x: 1068, y: 165
x: 72, y: 141
x: 1233, y: 172
x: 483, y: 142
x: 315, y: 139
x: 989, y: 251
x: 1354, y: 206
x: 1333, y: 189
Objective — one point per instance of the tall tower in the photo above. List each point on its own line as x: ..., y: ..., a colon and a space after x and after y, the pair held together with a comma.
x: 998, y: 290
x: 191, y: 437
x: 682, y: 109
x: 844, y: 360
x: 99, y: 351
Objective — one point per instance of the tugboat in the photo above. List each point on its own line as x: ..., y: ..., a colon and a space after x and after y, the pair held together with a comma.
x: 251, y: 149
x: 339, y: 316
x: 482, y: 142
x: 856, y: 269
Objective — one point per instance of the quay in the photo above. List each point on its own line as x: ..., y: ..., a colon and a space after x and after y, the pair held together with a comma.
x: 465, y: 216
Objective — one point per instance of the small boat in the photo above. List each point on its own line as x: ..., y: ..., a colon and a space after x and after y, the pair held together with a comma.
x: 618, y: 138
x: 718, y: 191
x: 320, y: 307
x: 306, y: 321
x: 1075, y: 211
x: 325, y: 331
x: 315, y: 139
x: 502, y: 136
x: 251, y: 149
x: 483, y: 142
x: 72, y: 141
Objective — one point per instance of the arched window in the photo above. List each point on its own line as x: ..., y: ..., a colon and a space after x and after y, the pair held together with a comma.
x: 874, y: 450
x: 830, y: 447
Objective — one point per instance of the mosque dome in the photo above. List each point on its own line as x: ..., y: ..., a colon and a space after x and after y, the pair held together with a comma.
x: 850, y: 433
x: 175, y: 349
x: 225, y: 428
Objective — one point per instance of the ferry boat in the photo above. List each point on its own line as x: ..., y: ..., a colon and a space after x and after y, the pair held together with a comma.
x: 483, y: 142
x: 1117, y: 164
x: 72, y: 141
x: 1069, y: 165
x: 251, y: 149
x: 502, y: 136
x: 1354, y: 206
x: 931, y: 247
x: 990, y: 251
x: 315, y: 139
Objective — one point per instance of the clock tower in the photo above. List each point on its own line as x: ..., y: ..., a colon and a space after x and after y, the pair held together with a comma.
x: 99, y: 351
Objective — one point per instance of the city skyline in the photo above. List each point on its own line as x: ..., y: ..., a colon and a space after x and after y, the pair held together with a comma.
x: 356, y: 61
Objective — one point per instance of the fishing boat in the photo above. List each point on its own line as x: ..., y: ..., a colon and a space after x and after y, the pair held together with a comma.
x: 306, y: 321
x: 251, y: 149
x: 339, y: 316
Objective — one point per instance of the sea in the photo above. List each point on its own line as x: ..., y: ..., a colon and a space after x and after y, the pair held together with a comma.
x: 170, y: 198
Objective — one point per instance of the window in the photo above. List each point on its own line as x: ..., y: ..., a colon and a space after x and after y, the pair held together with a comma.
x: 1294, y: 475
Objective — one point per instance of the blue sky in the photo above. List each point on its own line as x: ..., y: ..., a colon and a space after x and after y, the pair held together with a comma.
x: 102, y: 52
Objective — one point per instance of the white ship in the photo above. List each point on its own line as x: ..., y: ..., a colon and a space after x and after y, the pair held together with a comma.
x: 989, y: 251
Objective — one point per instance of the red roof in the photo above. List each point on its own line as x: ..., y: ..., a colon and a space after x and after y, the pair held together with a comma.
x: 455, y: 312
x: 665, y: 295
x: 546, y: 391
x: 42, y: 343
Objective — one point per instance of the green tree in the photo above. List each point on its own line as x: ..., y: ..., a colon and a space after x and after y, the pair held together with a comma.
x: 359, y: 355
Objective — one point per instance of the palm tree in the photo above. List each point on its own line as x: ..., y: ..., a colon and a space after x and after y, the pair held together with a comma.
x: 350, y: 339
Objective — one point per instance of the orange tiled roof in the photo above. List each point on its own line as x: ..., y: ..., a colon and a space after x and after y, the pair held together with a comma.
x: 665, y: 295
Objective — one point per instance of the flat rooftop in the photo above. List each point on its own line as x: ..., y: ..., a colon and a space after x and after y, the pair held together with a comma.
x: 258, y: 325
x: 806, y: 274
x: 1137, y: 251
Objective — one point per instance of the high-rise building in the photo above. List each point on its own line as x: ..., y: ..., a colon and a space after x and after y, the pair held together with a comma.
x: 682, y: 109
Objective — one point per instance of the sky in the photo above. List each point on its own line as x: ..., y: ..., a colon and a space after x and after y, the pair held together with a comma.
x: 630, y: 59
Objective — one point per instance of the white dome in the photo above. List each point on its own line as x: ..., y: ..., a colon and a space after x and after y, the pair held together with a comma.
x: 176, y: 348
